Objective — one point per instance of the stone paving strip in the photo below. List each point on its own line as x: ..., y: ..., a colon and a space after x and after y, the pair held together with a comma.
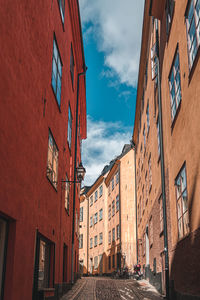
x: 76, y: 290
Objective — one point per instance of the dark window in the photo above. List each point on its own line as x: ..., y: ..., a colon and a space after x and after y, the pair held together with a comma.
x: 56, y: 72
x: 81, y: 241
x: 67, y: 193
x: 117, y: 203
x: 113, y: 261
x: 158, y: 135
x: 52, y: 161
x: 175, y: 85
x: 72, y: 65
x: 109, y: 262
x: 62, y: 9
x: 148, y: 122
x: 169, y: 14
x: 69, y: 132
x: 46, y: 266
x: 193, y: 29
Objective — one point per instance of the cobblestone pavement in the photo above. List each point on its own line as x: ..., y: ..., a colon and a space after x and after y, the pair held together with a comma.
x: 102, y: 288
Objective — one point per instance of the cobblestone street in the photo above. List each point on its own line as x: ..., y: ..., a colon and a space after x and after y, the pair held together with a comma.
x: 102, y: 288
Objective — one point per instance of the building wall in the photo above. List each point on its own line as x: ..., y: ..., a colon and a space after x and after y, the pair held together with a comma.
x: 180, y: 139
x: 113, y: 245
x: 83, y: 252
x: 97, y: 252
x: 128, y: 211
x: 29, y: 202
x: 118, y: 181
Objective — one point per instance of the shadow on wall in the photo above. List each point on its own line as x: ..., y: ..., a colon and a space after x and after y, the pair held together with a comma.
x: 185, y: 267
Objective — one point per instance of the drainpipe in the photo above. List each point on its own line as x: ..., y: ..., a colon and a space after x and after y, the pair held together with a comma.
x: 75, y: 162
x: 162, y: 166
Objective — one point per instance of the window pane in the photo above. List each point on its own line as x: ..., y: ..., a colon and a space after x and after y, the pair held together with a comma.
x: 180, y: 228
x: 183, y: 179
x: 179, y: 209
x: 184, y: 201
x: 185, y: 223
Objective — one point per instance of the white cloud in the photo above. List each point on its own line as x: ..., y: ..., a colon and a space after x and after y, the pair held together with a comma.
x: 104, y: 142
x: 116, y: 26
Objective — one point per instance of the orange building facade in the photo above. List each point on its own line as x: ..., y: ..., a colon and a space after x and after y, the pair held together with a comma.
x: 166, y: 135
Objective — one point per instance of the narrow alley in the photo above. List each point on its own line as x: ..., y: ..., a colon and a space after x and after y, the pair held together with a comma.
x: 103, y: 288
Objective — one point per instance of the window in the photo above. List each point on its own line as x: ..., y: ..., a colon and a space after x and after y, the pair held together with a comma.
x: 144, y: 136
x: 69, y: 131
x: 67, y: 193
x: 81, y: 241
x: 144, y: 244
x: 62, y: 9
x: 109, y: 212
x: 109, y: 262
x: 100, y: 238
x: 118, y: 232
x: 143, y: 206
x: 95, y: 196
x: 109, y: 189
x: 175, y: 86
x: 146, y: 185
x: 193, y: 29
x: 112, y: 184
x: 52, y: 161
x: 96, y: 218
x: 182, y: 203
x: 161, y: 214
x: 72, y: 65
x: 169, y: 13
x: 117, y: 203
x: 147, y: 114
x: 113, y: 260
x: 101, y: 214
x: 109, y: 237
x: 95, y: 241
x: 100, y: 190
x: 151, y: 231
x: 158, y: 136
x: 150, y: 173
x: 91, y: 221
x: 113, y: 234
x: 95, y: 262
x: 91, y: 242
x: 56, y: 72
x: 91, y: 200
x: 46, y: 268
x: 113, y: 208
x: 81, y: 214
x: 117, y: 178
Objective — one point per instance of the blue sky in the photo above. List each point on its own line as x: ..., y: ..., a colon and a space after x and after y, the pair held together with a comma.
x: 111, y: 37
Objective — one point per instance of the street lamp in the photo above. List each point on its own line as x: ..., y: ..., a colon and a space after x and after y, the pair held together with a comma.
x: 80, y: 174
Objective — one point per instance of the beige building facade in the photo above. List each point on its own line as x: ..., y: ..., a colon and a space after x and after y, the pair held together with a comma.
x: 111, y: 217
x: 166, y: 135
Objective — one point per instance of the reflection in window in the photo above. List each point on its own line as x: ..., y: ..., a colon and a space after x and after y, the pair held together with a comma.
x: 182, y: 203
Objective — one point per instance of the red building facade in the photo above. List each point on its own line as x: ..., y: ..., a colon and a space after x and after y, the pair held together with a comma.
x: 42, y: 83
